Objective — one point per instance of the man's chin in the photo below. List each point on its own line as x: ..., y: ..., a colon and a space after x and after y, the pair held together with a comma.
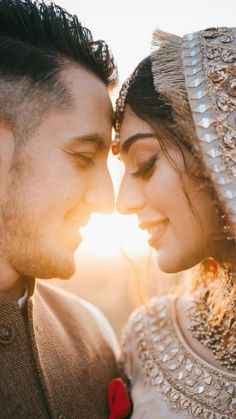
x: 63, y: 268
x: 65, y: 275
x: 62, y: 272
x: 60, y: 264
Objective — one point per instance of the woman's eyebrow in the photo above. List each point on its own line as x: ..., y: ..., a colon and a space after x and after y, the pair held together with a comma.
x: 131, y: 140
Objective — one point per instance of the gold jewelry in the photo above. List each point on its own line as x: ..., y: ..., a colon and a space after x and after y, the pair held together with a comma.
x: 227, y: 229
x: 187, y: 383
x: 121, y: 100
x: 214, y: 325
x: 119, y: 111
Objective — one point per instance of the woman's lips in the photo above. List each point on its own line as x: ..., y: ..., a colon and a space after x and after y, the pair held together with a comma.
x: 157, y: 232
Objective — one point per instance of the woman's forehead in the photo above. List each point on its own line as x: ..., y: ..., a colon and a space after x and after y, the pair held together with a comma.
x: 132, y: 124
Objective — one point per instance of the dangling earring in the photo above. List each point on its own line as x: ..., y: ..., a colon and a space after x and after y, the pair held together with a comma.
x: 227, y: 228
x: 210, y: 265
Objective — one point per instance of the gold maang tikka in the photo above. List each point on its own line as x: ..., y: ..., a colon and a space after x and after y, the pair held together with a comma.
x: 119, y: 111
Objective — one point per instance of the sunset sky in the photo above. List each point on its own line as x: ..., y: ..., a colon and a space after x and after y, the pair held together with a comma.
x: 127, y: 25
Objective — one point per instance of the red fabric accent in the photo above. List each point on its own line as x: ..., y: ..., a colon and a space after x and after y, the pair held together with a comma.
x: 118, y: 399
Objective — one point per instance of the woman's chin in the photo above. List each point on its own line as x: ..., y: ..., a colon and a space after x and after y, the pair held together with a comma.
x: 172, y: 264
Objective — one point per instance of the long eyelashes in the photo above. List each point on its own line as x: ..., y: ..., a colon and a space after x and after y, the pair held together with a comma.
x: 146, y: 170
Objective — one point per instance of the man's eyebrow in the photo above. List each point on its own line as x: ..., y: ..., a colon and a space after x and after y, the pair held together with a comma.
x: 131, y: 140
x: 92, y: 138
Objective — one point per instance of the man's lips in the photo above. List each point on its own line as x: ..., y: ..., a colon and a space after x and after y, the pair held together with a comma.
x: 75, y: 234
x: 78, y: 223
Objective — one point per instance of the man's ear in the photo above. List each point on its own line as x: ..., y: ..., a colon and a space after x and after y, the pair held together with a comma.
x: 7, y: 147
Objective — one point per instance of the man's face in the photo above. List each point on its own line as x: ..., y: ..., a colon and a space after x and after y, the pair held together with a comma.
x: 58, y: 179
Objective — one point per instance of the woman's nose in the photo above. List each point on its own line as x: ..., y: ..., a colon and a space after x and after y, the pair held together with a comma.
x: 100, y: 196
x: 130, y: 199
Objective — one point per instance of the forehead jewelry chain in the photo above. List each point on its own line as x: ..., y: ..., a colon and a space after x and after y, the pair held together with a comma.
x: 119, y: 111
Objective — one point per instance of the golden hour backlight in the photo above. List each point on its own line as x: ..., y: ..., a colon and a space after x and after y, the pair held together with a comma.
x: 111, y: 235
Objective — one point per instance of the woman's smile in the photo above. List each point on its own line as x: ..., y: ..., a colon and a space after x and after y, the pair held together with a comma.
x: 157, y: 232
x: 155, y: 229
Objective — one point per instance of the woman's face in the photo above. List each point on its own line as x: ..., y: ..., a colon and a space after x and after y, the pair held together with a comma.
x: 156, y: 192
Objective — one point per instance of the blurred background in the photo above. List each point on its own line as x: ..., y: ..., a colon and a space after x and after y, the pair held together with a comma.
x: 116, y: 270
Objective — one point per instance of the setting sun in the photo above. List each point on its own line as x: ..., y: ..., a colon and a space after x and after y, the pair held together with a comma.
x: 113, y: 234
x: 110, y: 235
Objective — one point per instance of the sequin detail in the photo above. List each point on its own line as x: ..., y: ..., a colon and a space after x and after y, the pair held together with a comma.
x: 213, y: 105
x: 189, y: 385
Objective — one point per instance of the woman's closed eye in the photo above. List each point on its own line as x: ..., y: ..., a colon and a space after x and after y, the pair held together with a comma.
x: 146, y: 169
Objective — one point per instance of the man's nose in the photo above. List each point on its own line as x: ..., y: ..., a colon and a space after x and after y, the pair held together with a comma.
x: 100, y: 196
x: 130, y: 200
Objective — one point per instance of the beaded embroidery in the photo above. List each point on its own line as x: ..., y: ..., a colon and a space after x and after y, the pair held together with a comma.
x: 189, y: 384
x: 209, y: 60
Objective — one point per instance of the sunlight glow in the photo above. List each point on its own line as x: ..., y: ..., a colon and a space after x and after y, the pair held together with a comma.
x: 112, y: 235
x: 127, y: 25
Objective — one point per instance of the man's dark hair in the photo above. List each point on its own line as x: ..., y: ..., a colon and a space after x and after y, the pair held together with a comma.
x: 38, y: 41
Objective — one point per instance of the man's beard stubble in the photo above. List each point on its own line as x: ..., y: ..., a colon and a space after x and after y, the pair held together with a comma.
x: 24, y: 246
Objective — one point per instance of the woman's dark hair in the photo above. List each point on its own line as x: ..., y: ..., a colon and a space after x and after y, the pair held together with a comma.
x: 155, y: 108
x: 37, y: 41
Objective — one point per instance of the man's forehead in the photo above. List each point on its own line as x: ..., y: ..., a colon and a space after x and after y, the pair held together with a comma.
x: 77, y: 77
x: 99, y: 140
x: 89, y: 94
x: 88, y: 119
